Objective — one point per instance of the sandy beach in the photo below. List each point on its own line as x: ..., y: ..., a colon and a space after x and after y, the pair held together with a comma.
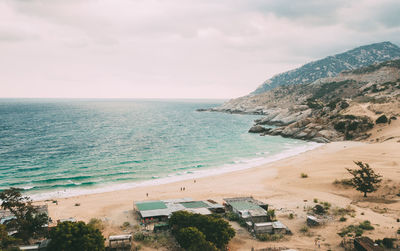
x: 280, y: 185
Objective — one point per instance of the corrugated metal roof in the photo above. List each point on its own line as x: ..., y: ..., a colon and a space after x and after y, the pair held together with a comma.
x: 203, y: 211
x: 150, y: 205
x: 263, y: 224
x: 120, y: 237
x: 257, y: 212
x: 243, y: 205
x: 194, y: 204
x: 278, y: 224
x: 186, y: 199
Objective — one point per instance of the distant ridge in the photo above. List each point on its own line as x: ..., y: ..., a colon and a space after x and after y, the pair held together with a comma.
x: 331, y: 66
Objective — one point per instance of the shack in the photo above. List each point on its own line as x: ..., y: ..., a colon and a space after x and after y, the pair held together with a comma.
x: 313, y: 221
x: 120, y: 242
x: 247, y: 208
x: 275, y: 227
x: 160, y: 210
x: 364, y: 243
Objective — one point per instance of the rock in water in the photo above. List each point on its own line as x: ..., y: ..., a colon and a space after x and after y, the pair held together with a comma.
x: 258, y: 129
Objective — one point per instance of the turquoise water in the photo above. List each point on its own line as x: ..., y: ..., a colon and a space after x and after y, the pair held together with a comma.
x: 70, y: 146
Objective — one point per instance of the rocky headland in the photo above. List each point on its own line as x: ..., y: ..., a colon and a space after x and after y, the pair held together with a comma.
x: 344, y: 107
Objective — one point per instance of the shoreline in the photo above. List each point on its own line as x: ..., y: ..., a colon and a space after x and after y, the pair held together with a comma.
x: 176, y: 177
x: 280, y: 185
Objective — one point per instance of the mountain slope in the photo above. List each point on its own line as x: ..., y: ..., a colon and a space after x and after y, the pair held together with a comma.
x: 329, y: 109
x: 331, y: 66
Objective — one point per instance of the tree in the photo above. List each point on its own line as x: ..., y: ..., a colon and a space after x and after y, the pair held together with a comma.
x: 71, y: 236
x: 190, y: 238
x: 215, y: 229
x: 364, y: 178
x: 6, y: 240
x: 28, y: 222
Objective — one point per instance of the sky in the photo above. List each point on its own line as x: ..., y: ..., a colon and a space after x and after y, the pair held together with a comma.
x: 175, y: 48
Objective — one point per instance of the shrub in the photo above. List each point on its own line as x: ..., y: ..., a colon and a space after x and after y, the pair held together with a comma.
x: 271, y: 214
x: 304, y: 175
x: 234, y: 217
x: 340, y: 126
x: 366, y: 225
x: 304, y: 229
x: 269, y: 237
x: 343, y: 211
x: 315, y: 200
x: 291, y: 216
x: 96, y: 223
x: 343, y: 182
x: 342, y: 218
x: 318, y: 209
x: 326, y: 205
x: 356, y: 230
x: 381, y: 120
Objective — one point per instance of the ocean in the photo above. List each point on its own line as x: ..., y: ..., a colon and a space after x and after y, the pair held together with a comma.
x: 64, y: 147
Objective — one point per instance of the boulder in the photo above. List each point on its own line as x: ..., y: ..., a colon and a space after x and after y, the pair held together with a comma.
x: 258, y: 129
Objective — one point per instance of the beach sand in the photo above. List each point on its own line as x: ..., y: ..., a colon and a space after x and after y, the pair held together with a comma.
x: 280, y: 185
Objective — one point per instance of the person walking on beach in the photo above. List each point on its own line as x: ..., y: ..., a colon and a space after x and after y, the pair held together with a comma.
x: 147, y: 194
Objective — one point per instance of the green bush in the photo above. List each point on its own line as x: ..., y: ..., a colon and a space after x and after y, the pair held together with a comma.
x: 343, y: 182
x: 353, y: 230
x: 71, y: 236
x: 304, y: 175
x: 318, y: 209
x: 269, y: 237
x: 366, y: 225
x: 96, y: 223
x: 342, y: 218
x: 304, y: 229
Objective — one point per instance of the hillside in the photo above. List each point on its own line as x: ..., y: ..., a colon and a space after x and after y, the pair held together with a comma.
x: 329, y: 109
x: 331, y: 66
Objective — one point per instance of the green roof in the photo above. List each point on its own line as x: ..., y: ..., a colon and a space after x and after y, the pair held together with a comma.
x: 150, y: 205
x: 243, y: 205
x: 194, y: 204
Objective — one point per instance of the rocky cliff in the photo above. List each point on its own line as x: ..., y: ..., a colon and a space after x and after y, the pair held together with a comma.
x: 336, y: 108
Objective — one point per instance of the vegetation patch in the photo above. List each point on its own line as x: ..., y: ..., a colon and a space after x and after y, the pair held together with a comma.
x: 343, y: 182
x: 356, y: 230
x: 269, y: 237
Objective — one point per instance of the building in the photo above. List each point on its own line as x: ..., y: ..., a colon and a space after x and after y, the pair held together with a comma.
x: 275, y: 227
x: 255, y: 214
x: 160, y: 210
x: 313, y: 221
x: 120, y: 242
x: 364, y: 243
x: 249, y: 209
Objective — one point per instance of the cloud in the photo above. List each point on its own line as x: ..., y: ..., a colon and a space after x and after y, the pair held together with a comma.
x: 176, y: 48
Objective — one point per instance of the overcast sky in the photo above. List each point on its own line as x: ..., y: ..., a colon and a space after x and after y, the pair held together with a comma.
x: 175, y: 48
